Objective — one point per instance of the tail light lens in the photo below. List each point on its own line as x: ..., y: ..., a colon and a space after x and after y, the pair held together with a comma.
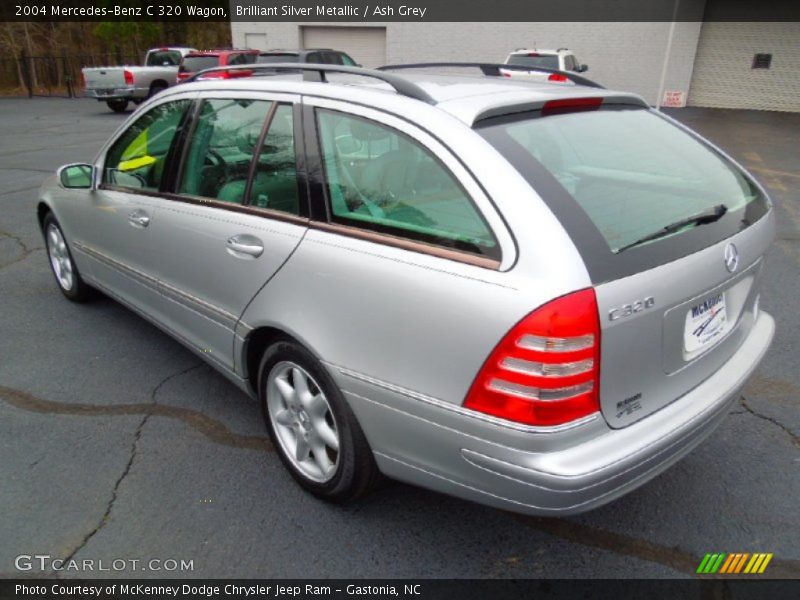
x: 128, y: 77
x: 546, y: 370
x: 558, y: 77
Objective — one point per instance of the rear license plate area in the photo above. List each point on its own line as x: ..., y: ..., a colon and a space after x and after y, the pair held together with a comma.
x: 706, y: 323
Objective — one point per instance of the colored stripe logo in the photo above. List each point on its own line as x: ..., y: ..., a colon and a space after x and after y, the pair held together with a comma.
x: 734, y: 563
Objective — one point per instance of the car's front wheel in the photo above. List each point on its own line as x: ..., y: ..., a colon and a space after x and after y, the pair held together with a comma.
x: 311, y: 426
x: 61, y: 263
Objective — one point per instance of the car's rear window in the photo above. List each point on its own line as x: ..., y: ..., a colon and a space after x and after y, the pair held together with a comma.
x: 277, y: 58
x: 632, y: 173
x: 548, y: 61
x: 193, y: 64
x: 164, y: 58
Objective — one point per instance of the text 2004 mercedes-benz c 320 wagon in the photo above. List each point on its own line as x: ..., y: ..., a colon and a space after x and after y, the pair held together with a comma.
x: 531, y: 295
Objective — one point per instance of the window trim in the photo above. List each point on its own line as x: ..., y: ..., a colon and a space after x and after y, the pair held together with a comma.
x: 481, y: 202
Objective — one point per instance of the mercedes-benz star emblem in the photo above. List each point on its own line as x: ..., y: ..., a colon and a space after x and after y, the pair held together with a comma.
x: 731, y: 258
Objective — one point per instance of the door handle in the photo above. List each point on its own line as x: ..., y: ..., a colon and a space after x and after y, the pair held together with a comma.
x: 139, y: 218
x: 245, y: 244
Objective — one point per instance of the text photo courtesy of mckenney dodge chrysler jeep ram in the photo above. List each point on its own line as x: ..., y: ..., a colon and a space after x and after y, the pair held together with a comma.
x: 532, y: 295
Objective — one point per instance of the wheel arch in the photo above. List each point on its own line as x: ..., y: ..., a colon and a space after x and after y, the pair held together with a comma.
x: 42, y: 208
x: 255, y: 344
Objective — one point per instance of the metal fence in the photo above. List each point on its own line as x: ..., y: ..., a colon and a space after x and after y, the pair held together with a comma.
x: 53, y: 75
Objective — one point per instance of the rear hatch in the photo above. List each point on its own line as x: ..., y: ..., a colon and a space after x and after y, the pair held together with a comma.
x: 104, y: 78
x: 671, y: 231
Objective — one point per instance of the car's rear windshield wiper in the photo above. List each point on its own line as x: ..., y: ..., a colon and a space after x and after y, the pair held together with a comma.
x: 711, y: 215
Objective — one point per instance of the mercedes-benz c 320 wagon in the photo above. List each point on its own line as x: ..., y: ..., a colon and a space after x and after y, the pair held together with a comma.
x: 530, y: 295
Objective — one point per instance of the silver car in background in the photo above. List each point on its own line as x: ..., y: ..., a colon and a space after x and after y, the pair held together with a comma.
x: 533, y: 296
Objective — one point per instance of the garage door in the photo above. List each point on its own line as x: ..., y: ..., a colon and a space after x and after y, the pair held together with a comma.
x: 367, y: 45
x: 747, y: 65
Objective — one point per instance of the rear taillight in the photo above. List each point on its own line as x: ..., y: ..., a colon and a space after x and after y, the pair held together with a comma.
x: 128, y: 77
x: 558, y: 77
x: 546, y: 370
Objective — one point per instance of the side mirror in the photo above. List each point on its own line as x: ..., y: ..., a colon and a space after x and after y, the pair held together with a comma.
x: 76, y: 176
x: 583, y: 68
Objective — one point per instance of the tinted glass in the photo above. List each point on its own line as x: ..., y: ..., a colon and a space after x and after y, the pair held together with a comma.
x: 163, y: 58
x: 346, y: 59
x: 632, y: 172
x: 569, y: 63
x: 221, y: 149
x: 548, y: 62
x: 193, y: 64
x: 380, y: 179
x: 333, y: 58
x: 314, y: 57
x: 275, y: 181
x: 242, y: 59
x: 277, y: 58
x: 138, y: 157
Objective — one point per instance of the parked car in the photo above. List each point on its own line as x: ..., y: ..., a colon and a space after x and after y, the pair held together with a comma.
x: 117, y: 86
x: 326, y: 56
x: 562, y: 59
x: 206, y: 59
x: 463, y: 283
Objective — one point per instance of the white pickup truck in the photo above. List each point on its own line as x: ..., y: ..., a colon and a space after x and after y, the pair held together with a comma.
x: 116, y: 86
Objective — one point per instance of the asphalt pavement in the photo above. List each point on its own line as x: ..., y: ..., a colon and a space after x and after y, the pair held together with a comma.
x: 116, y: 443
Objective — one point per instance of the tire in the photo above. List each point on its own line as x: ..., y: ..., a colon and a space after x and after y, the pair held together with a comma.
x: 303, y: 426
x: 61, y: 263
x: 155, y: 89
x: 117, y: 106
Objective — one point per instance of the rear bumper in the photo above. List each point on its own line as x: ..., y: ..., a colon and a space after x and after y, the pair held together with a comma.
x: 123, y: 93
x: 544, y: 472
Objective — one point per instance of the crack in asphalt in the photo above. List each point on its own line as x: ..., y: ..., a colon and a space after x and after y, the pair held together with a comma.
x: 622, y: 544
x: 214, y: 430
x: 134, y: 449
x: 25, y: 250
x: 795, y: 439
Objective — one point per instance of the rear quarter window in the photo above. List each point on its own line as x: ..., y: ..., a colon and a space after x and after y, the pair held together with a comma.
x: 382, y: 180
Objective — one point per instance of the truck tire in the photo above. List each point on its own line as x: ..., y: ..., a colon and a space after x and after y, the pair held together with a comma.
x: 117, y: 106
x: 157, y: 87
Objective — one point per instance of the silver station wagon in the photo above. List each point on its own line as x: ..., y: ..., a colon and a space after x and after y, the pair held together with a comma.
x: 530, y: 295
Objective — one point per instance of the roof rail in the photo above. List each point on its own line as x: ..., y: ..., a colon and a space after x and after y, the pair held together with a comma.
x: 493, y: 70
x: 316, y: 72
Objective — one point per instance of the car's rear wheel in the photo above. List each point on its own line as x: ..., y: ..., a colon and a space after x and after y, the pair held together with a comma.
x: 64, y: 269
x: 117, y: 106
x: 156, y: 88
x: 311, y: 426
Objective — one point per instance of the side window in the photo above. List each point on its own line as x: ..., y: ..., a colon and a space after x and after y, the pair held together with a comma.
x: 314, y: 57
x: 221, y: 148
x: 346, y: 60
x: 333, y: 58
x: 138, y: 157
x: 275, y: 180
x: 569, y: 63
x: 380, y: 179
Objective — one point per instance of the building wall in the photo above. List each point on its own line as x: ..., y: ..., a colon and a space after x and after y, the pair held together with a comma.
x: 624, y: 56
x: 723, y: 74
